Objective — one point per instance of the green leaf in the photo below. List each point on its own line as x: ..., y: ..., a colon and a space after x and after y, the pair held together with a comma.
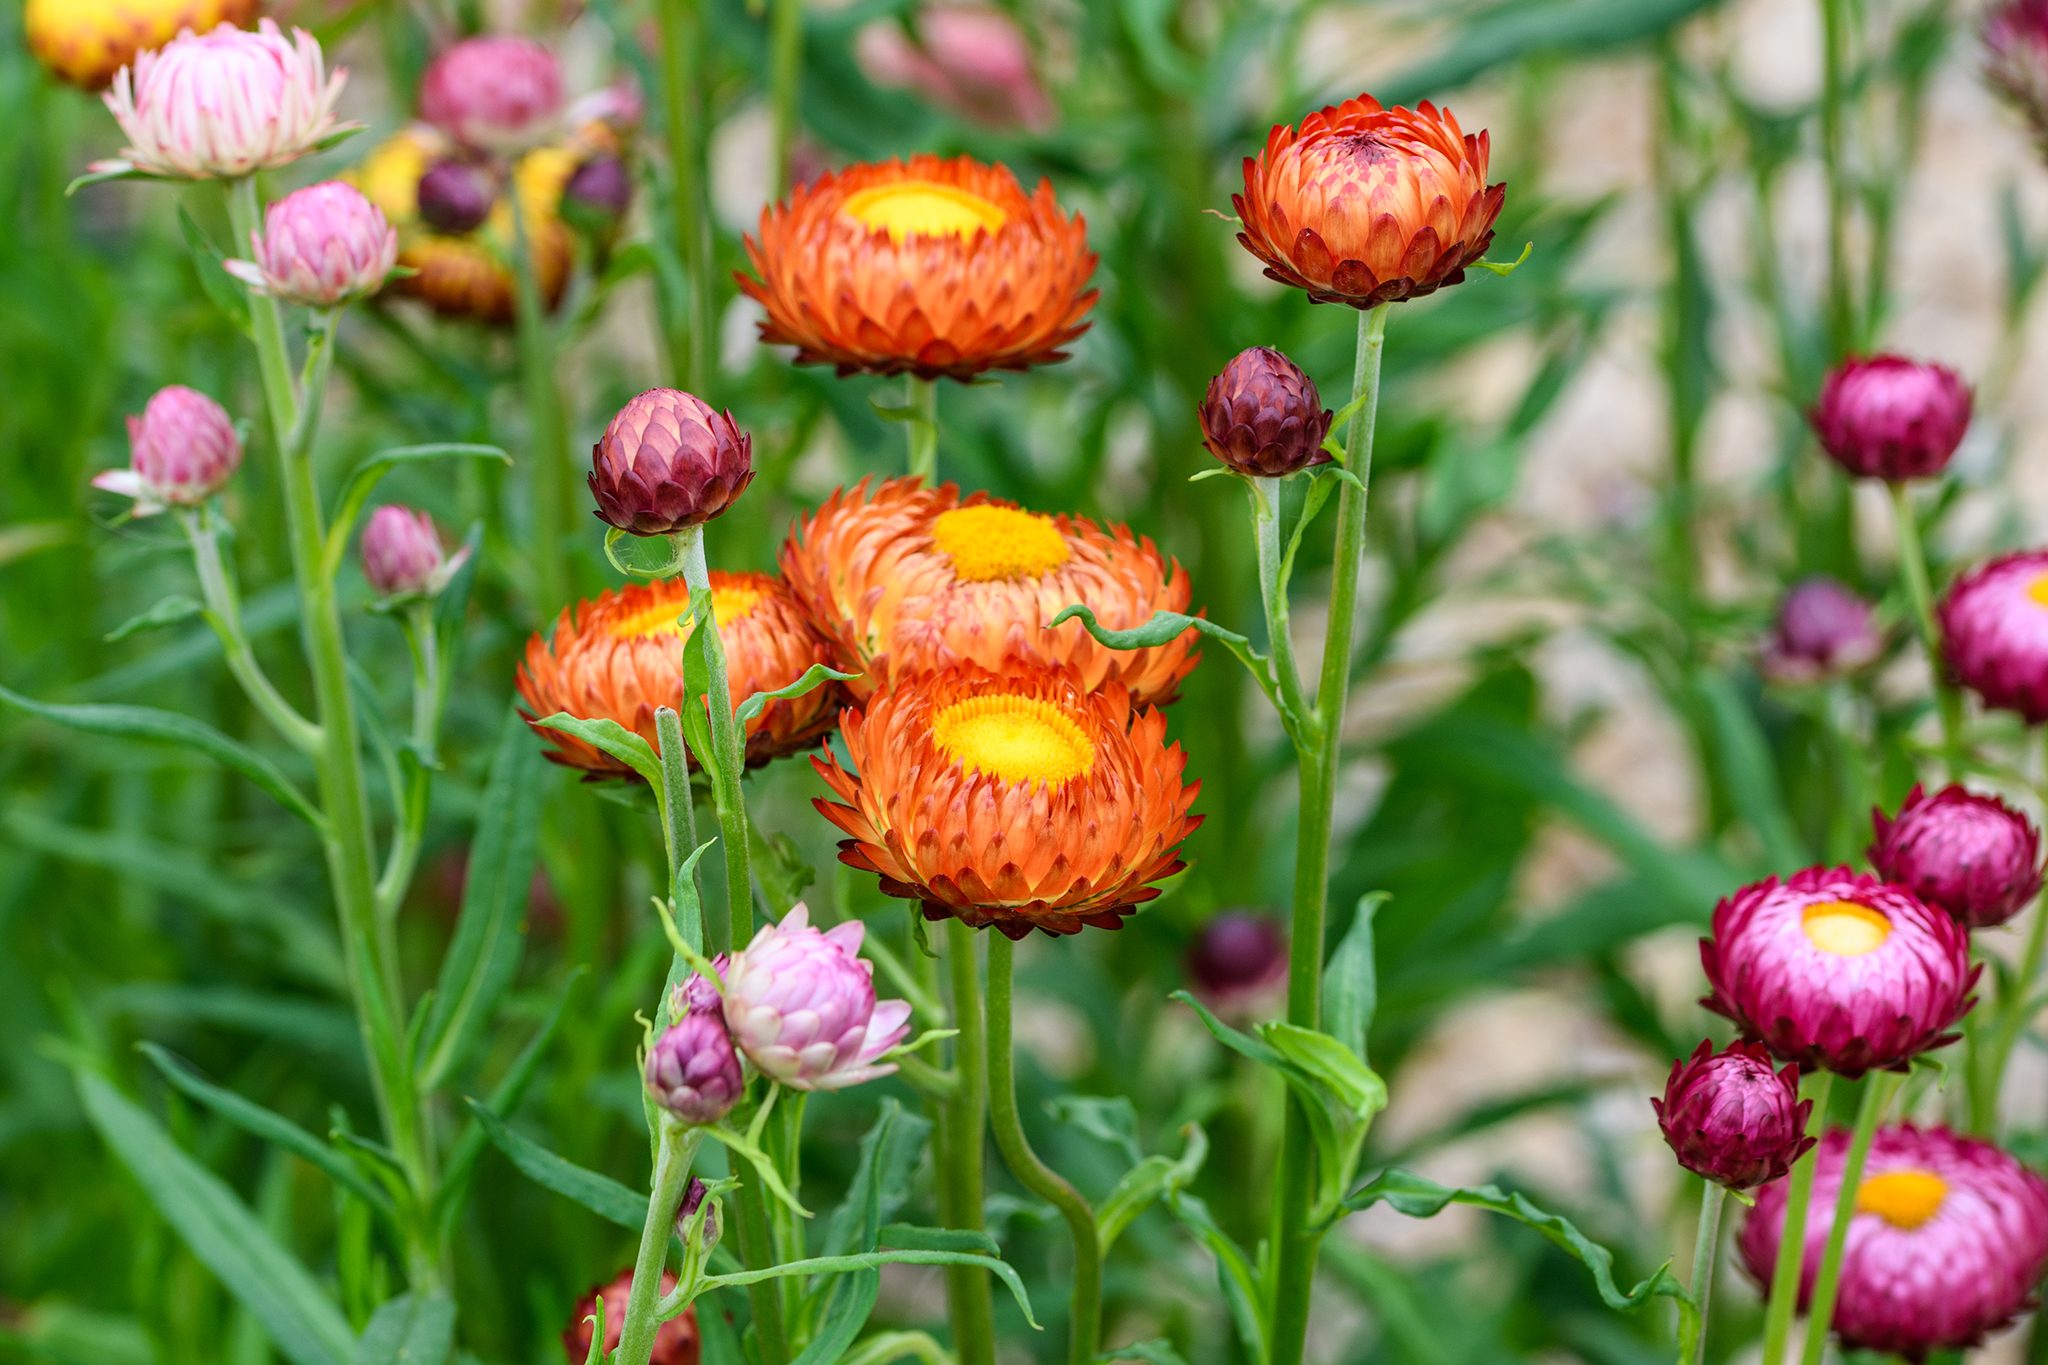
x: 814, y: 677
x: 1351, y: 988
x: 1158, y: 1351
x: 1235, y: 1275
x: 1505, y: 268
x: 221, y: 1232
x: 1357, y: 1086
x: 367, y: 475
x: 889, y: 1155
x: 611, y: 737
x: 870, y: 1260
x: 484, y: 955
x: 1165, y: 626
x: 409, y: 1331
x: 220, y: 287
x: 274, y: 1128
x: 169, y: 612
x: 601, y: 1194
x: 1156, y: 1177
x: 168, y: 727
x: 905, y: 1237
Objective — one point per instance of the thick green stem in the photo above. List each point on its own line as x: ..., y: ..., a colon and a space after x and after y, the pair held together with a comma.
x: 1295, y: 1239
x: 786, y: 67
x: 678, y: 823
x: 429, y: 699
x: 682, y: 78
x: 728, y: 747
x: 1265, y: 503
x: 1783, y: 1300
x: 1920, y: 593
x: 224, y: 609
x: 921, y: 427
x: 1878, y: 1090
x: 672, y: 1157
x: 1085, y: 1328
x: 969, y: 1295
x: 1706, y: 1250
x: 550, y: 492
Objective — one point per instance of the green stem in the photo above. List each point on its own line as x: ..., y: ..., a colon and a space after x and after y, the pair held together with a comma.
x: 550, y: 491
x: 678, y: 824
x: 1783, y: 1300
x: 224, y: 612
x: 786, y: 62
x: 2012, y: 1022
x: 682, y: 67
x: 1033, y: 1174
x: 922, y: 427
x: 1295, y: 1237
x: 1920, y: 593
x: 1706, y: 1250
x: 348, y: 845
x: 728, y: 747
x: 969, y: 1295
x: 1878, y: 1090
x: 429, y: 699
x: 672, y: 1158
x: 1265, y: 502
x: 1840, y: 306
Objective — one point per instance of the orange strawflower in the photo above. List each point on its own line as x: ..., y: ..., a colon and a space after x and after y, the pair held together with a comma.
x: 907, y: 580
x: 1365, y: 205
x: 86, y: 41
x: 927, y: 266
x: 620, y: 655
x: 1022, y: 801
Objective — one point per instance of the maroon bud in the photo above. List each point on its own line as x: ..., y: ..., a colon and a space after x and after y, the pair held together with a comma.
x: 668, y: 462
x: 599, y: 192
x: 1238, y: 956
x: 693, y: 1199
x: 402, y: 554
x: 1823, y: 630
x: 456, y: 197
x: 1971, y: 855
x: 1886, y: 417
x: 675, y: 1341
x: 693, y: 1070
x: 1263, y: 417
x: 1731, y: 1119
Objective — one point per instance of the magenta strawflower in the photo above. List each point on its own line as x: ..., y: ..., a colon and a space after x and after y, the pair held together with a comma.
x: 181, y: 451
x: 497, y: 93
x: 669, y: 461
x: 1837, y: 971
x: 1886, y: 417
x: 320, y: 246
x: 1263, y: 417
x: 2016, y: 59
x: 1971, y: 855
x: 1949, y: 1240
x: 801, y: 1005
x: 456, y: 197
x: 693, y: 1071
x: 402, y: 554
x: 1994, y: 633
x: 223, y: 104
x: 1732, y: 1119
x: 1823, y: 630
x: 1239, y: 957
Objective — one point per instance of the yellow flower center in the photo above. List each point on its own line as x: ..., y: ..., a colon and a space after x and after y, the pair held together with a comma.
x: 924, y: 208
x: 1014, y: 739
x: 1905, y: 1199
x: 1845, y: 928
x: 987, y: 543
x: 2038, y: 589
x: 728, y: 603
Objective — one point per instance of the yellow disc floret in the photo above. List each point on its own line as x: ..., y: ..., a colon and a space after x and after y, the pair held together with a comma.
x: 1845, y: 928
x: 1014, y: 739
x: 986, y: 543
x: 1905, y: 1199
x: 924, y: 208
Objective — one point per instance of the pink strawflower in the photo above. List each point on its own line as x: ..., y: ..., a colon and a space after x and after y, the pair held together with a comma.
x: 971, y: 59
x: 1994, y: 633
x: 1971, y: 855
x: 1732, y: 1119
x: 1823, y: 630
x: 498, y: 93
x: 693, y: 1071
x: 801, y: 1005
x: 669, y: 461
x: 1238, y: 960
x: 181, y: 451
x: 1886, y: 417
x: 320, y: 246
x: 1949, y: 1240
x: 1837, y: 971
x: 2016, y: 59
x: 225, y: 104
x: 402, y: 554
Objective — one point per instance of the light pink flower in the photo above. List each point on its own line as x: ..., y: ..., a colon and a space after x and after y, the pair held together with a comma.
x: 320, y: 246
x: 801, y: 1005
x: 971, y: 59
x: 693, y: 1071
x: 497, y: 93
x: 402, y: 553
x: 225, y: 104
x: 182, y: 450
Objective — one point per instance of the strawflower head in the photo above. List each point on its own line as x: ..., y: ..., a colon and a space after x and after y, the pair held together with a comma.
x: 968, y: 58
x: 693, y: 1071
x: 403, y: 556
x: 497, y: 93
x: 1886, y: 417
x: 320, y: 246
x: 675, y: 1341
x: 620, y: 656
x: 1732, y: 1119
x: 1367, y: 205
x: 220, y: 105
x: 181, y: 451
x: 936, y: 268
x: 1823, y: 630
x: 1993, y: 623
x: 908, y: 580
x: 1971, y: 855
x: 667, y: 462
x: 1948, y: 1241
x: 801, y: 1005
x: 2016, y: 59
x: 1263, y: 417
x: 86, y: 41
x: 1837, y: 971
x: 1019, y: 800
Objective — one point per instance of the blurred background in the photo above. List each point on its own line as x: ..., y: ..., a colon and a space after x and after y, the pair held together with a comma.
x: 1595, y: 486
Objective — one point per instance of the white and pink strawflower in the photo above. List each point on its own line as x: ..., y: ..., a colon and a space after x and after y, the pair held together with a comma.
x: 182, y: 450
x: 320, y: 246
x: 801, y: 1005
x: 222, y: 105
x: 497, y: 93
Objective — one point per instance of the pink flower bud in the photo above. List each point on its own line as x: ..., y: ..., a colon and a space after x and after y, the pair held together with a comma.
x: 1994, y: 633
x: 801, y: 1005
x: 693, y: 1071
x: 497, y: 93
x: 224, y: 104
x: 182, y: 450
x: 455, y: 197
x: 402, y: 554
x: 668, y: 461
x: 971, y: 59
x: 1890, y: 418
x: 1823, y: 630
x: 1971, y: 855
x: 320, y: 246
x: 1263, y: 417
x: 1732, y: 1119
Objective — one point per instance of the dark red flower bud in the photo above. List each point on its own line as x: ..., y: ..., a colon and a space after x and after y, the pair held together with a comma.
x: 675, y: 1343
x: 1262, y: 416
x: 599, y: 192
x: 1731, y: 1119
x: 1823, y: 629
x: 1973, y: 856
x: 693, y: 1199
x: 1238, y: 956
x: 455, y: 197
x: 1886, y: 417
x: 669, y: 461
